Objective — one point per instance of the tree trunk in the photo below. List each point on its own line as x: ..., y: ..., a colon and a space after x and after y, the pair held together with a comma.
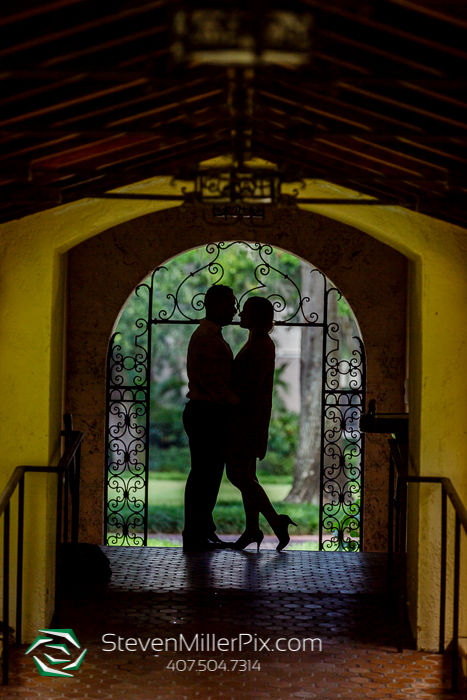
x: 305, y: 487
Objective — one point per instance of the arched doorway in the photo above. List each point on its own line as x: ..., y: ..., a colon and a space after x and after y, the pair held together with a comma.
x: 128, y: 390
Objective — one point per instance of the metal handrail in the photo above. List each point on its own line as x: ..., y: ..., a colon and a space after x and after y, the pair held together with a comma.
x: 400, y: 504
x: 19, y: 472
x: 66, y: 478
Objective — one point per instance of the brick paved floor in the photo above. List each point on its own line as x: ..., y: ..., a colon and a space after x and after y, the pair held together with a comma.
x: 163, y: 593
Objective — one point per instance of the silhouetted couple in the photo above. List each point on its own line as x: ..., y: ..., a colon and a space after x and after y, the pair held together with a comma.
x: 227, y: 419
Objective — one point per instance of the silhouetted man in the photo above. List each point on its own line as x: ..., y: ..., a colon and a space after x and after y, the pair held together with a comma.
x: 206, y: 415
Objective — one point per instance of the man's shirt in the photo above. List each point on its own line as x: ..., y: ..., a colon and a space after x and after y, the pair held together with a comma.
x: 209, y: 365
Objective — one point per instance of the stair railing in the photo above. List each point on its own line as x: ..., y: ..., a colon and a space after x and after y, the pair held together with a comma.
x: 398, y: 486
x: 68, y: 473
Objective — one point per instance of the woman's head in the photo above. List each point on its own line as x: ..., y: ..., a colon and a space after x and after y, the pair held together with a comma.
x: 257, y: 314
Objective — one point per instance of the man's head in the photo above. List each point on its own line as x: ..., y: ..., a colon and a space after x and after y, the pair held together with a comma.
x: 220, y: 304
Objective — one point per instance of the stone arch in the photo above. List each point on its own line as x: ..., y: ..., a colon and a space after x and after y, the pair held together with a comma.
x: 104, y: 270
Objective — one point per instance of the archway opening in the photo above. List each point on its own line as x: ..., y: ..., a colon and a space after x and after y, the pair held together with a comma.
x: 315, y: 452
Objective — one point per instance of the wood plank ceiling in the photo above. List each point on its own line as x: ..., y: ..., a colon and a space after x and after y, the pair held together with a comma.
x: 90, y: 100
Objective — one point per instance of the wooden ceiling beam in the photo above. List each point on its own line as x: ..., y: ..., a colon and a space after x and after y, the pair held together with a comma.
x: 115, y: 115
x: 444, y: 153
x: 215, y: 98
x: 340, y: 9
x: 435, y: 12
x: 121, y: 106
x: 106, y: 18
x: 107, y: 148
x: 344, y: 171
x: 167, y: 164
x: 441, y: 148
x: 376, y: 153
x: 398, y: 153
x: 346, y: 149
x: 330, y: 114
x: 300, y: 127
x: 173, y: 80
x: 356, y: 63
x: 106, y: 156
x: 62, y: 91
x: 367, y: 52
x: 434, y: 86
x: 431, y: 91
x: 132, y: 165
x: 370, y: 97
x: 71, y: 102
x: 32, y: 148
x: 32, y: 12
x: 312, y: 170
x: 331, y: 111
x: 182, y: 127
x: 116, y: 42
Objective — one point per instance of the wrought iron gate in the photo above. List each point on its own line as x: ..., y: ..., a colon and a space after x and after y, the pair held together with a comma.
x: 129, y: 393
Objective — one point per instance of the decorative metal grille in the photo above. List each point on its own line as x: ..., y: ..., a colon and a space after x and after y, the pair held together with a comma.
x: 342, y: 444
x: 129, y: 394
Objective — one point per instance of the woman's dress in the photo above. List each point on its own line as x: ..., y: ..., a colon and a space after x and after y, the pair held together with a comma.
x: 252, y: 381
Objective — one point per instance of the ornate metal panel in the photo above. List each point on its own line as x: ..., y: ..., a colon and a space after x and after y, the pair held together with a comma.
x: 129, y: 391
x: 127, y: 431
x: 342, y: 444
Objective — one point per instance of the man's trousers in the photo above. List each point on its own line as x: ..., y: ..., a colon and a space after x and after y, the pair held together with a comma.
x: 206, y: 425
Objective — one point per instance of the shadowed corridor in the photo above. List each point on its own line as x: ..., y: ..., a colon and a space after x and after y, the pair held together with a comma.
x: 339, y: 598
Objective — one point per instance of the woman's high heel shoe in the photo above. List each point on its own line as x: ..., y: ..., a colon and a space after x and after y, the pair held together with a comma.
x: 246, y: 539
x: 282, y: 532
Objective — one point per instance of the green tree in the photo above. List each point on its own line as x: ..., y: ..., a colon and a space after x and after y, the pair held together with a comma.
x: 306, y: 483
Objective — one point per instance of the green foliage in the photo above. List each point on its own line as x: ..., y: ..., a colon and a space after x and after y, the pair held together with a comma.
x: 343, y: 309
x: 168, y: 440
x: 167, y: 519
x: 283, y: 433
x: 276, y: 464
x: 230, y: 518
x: 168, y: 475
x: 264, y: 477
x: 167, y: 403
x: 170, y: 461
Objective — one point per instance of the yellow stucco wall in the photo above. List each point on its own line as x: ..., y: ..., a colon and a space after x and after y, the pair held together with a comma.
x: 32, y: 276
x: 437, y: 340
x: 32, y: 292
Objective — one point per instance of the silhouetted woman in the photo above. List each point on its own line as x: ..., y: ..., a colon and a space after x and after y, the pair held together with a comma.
x: 252, y: 381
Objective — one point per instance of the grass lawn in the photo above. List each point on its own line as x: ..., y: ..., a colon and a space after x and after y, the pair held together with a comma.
x: 170, y: 492
x: 297, y: 546
x: 166, y: 513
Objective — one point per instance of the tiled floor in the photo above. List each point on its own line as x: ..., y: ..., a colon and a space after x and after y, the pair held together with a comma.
x: 274, y: 601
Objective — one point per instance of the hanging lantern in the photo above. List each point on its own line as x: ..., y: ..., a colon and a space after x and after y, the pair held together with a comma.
x: 235, y: 35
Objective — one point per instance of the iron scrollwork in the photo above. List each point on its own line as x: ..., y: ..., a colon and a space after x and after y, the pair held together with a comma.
x: 294, y: 312
x: 129, y: 390
x: 128, y: 396
x: 239, y: 186
x: 343, y: 399
x: 237, y: 211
